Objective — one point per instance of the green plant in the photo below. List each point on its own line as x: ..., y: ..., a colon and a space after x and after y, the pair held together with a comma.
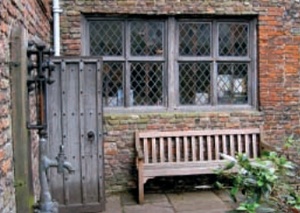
x: 263, y: 183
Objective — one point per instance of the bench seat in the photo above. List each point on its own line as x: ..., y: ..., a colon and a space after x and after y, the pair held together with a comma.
x: 196, y: 152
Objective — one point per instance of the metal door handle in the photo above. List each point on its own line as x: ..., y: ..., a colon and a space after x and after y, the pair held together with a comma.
x: 91, y: 136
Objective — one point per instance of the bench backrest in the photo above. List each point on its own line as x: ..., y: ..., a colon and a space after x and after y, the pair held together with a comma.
x: 198, y: 145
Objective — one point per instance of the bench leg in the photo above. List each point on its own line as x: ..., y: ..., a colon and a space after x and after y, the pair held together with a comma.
x: 141, y: 190
x: 141, y: 182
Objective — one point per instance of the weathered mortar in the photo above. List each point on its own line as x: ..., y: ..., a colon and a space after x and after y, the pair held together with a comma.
x: 36, y: 21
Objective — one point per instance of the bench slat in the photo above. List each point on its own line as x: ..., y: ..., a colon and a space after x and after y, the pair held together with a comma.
x: 247, y: 145
x: 146, y: 150
x: 240, y: 144
x: 201, y: 149
x: 183, y: 168
x: 217, y: 146
x: 193, y: 148
x: 177, y: 150
x: 186, y: 151
x: 209, y: 151
x: 154, y: 157
x: 224, y: 144
x: 254, y: 145
x: 161, y: 150
x: 170, y: 156
x: 232, y: 149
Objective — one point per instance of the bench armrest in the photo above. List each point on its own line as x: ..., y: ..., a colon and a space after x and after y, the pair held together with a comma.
x: 139, y: 154
x: 267, y: 147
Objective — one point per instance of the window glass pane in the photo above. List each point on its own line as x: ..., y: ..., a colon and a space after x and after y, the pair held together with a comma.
x: 146, y: 38
x: 106, y: 38
x: 112, y: 84
x: 233, y: 39
x: 194, y: 83
x: 146, y: 83
x: 232, y: 83
x: 194, y: 39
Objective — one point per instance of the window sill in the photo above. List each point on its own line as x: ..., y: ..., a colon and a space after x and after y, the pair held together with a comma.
x: 181, y: 109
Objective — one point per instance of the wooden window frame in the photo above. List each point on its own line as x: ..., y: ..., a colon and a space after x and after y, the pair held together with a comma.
x: 171, y: 59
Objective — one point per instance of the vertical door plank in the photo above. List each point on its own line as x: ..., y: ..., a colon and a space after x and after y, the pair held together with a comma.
x: 56, y: 182
x: 82, y: 131
x: 99, y: 112
x: 72, y: 145
x: 65, y: 77
x: 91, y: 145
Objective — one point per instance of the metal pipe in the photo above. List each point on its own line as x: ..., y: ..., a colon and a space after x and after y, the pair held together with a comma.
x: 56, y: 27
x: 46, y: 205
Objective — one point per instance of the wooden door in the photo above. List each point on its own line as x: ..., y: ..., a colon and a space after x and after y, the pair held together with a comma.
x: 75, y: 121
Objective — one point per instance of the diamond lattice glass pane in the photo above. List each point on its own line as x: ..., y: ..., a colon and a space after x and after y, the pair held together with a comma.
x: 194, y: 83
x: 194, y: 39
x: 233, y: 39
x: 146, y: 38
x: 146, y: 83
x: 112, y: 84
x: 106, y: 38
x: 232, y: 83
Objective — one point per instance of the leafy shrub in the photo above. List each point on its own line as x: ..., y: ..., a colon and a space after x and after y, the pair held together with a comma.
x: 263, y: 182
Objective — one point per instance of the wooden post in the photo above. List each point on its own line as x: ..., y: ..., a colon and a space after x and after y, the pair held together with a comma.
x: 20, y: 133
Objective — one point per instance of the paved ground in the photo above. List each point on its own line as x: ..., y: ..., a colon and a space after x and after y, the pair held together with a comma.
x: 184, y: 202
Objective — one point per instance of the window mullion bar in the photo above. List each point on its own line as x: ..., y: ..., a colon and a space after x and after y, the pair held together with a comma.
x: 127, y: 71
x: 214, y: 69
x: 252, y: 73
x: 171, y: 81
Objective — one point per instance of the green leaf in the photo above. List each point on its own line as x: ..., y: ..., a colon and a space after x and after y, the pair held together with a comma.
x: 241, y: 208
x: 219, y: 185
x: 229, y: 165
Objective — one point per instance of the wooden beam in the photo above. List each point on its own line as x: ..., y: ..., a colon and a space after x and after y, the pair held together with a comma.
x: 20, y: 133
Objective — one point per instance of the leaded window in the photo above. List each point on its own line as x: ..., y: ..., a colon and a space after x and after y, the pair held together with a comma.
x: 175, y: 63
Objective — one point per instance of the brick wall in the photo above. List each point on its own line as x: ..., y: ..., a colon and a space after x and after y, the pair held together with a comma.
x: 119, y: 146
x: 278, y: 74
x: 33, y: 15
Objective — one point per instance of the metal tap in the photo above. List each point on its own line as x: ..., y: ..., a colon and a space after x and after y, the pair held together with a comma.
x: 61, y: 163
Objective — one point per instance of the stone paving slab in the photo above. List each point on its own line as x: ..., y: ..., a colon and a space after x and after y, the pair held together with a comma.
x: 162, y: 207
x: 185, y: 202
x: 113, y: 204
x: 196, y: 202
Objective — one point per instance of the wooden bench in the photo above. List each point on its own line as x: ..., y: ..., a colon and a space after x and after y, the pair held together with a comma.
x: 190, y: 152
